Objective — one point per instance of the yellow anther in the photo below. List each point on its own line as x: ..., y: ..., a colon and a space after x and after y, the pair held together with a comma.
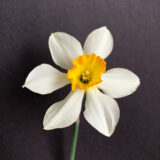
x: 85, y: 77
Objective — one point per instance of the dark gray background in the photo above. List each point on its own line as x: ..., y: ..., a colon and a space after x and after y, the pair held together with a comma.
x: 25, y: 26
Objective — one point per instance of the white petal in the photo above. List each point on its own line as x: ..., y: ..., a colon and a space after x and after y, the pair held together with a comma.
x: 64, y: 48
x: 64, y: 113
x: 45, y: 79
x: 102, y: 112
x: 119, y: 82
x: 100, y: 42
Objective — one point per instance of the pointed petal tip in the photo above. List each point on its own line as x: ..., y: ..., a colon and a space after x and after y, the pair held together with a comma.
x: 46, y: 128
x: 51, y: 34
x: 103, y: 27
x: 108, y: 133
x: 139, y: 81
x: 111, y: 133
x: 105, y: 133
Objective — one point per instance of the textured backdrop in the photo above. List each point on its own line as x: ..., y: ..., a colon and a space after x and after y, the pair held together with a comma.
x: 25, y: 26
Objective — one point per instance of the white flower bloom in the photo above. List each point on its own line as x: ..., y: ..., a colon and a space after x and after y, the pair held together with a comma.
x: 85, y: 67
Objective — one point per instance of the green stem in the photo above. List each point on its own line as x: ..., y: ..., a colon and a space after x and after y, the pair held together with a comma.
x: 74, y: 141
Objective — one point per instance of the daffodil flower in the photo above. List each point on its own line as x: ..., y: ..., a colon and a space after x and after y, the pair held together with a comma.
x: 87, y: 74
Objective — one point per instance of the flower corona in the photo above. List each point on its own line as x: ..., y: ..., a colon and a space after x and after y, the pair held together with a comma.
x: 86, y: 71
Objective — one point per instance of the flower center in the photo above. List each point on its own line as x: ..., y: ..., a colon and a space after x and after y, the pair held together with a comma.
x: 86, y: 71
x: 85, y: 77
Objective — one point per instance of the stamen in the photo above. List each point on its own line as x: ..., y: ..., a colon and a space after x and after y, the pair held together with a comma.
x: 85, y: 77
